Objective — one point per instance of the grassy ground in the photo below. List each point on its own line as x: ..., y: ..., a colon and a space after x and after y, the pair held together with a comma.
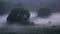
x: 30, y: 30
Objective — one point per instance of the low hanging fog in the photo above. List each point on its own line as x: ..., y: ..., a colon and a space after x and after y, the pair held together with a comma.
x: 33, y: 6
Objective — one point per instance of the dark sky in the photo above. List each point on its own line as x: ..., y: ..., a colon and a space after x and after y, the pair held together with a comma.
x: 33, y: 5
x: 36, y: 4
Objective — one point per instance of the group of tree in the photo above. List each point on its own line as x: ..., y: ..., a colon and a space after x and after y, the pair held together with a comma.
x: 21, y: 16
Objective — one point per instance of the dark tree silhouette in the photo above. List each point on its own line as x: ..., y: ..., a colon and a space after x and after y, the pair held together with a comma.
x: 53, y: 26
x: 19, y: 15
x: 44, y: 12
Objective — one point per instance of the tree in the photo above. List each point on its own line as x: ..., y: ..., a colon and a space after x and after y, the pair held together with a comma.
x: 44, y: 12
x: 19, y: 15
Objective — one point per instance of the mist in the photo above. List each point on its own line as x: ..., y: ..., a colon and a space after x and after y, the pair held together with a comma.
x: 33, y: 6
x: 54, y: 18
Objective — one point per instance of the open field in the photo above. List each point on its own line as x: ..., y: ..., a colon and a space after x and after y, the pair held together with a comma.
x: 29, y: 30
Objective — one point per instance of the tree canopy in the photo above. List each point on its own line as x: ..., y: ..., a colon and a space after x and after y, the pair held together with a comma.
x: 44, y: 12
x: 19, y: 15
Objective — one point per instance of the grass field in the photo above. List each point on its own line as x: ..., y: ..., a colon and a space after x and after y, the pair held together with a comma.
x: 29, y: 30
